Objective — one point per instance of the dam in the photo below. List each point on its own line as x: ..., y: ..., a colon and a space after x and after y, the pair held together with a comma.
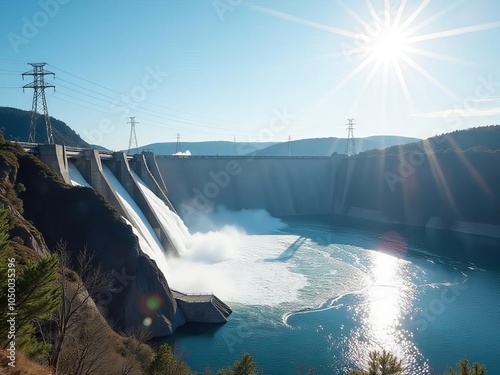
x: 128, y: 183
x: 283, y: 186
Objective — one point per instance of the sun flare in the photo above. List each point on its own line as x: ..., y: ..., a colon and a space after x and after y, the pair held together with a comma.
x: 388, y: 45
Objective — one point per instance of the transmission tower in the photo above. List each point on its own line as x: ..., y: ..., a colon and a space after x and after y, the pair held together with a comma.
x: 350, y: 146
x: 39, y: 101
x: 178, y: 145
x: 133, y: 136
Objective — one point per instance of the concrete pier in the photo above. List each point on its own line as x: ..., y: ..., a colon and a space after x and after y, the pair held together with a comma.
x: 90, y: 166
x: 152, y: 166
x: 202, y: 308
x: 55, y: 157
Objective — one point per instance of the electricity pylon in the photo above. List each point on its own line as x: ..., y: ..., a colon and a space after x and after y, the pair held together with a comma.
x: 133, y: 136
x: 178, y: 145
x: 350, y: 146
x: 39, y: 86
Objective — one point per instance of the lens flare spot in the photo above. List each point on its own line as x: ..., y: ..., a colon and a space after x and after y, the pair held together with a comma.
x: 147, y: 321
x: 153, y: 302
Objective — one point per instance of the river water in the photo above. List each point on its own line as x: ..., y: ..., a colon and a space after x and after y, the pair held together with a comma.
x: 307, y: 293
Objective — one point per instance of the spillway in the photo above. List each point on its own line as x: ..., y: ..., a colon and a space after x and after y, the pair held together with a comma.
x: 76, y: 177
x: 152, y: 246
x: 169, y: 220
x: 153, y: 252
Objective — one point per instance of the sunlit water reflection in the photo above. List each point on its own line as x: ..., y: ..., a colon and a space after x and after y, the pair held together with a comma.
x: 360, y: 291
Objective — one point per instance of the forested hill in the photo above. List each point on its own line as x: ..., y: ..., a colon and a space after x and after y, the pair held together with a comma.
x: 454, y: 176
x: 485, y: 138
x: 15, y: 126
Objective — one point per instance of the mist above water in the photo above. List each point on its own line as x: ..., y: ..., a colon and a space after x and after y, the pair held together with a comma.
x: 225, y: 256
x: 250, y: 221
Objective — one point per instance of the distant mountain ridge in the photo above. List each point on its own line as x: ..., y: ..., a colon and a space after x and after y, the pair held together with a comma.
x: 329, y: 146
x: 15, y: 126
x: 302, y: 147
x: 221, y: 148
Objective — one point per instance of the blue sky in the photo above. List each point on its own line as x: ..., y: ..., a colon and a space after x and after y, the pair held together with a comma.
x: 219, y: 69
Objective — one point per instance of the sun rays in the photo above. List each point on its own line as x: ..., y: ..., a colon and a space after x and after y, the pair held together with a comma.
x: 386, y: 46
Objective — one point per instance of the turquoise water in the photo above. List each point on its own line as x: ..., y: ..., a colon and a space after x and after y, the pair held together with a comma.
x: 430, y: 297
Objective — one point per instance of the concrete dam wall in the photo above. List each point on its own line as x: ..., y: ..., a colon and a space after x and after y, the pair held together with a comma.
x: 281, y: 185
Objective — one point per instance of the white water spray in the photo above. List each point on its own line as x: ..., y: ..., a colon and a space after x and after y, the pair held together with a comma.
x: 227, y: 254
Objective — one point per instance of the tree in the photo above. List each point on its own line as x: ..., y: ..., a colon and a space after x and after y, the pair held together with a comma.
x: 136, y: 355
x: 165, y: 363
x: 244, y: 367
x: 76, y: 293
x: 37, y: 295
x: 464, y: 369
x: 381, y: 363
x: 86, y: 350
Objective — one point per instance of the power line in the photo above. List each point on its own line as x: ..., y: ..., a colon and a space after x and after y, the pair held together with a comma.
x: 155, y: 113
x: 152, y: 104
x: 147, y: 112
x: 98, y: 98
x: 115, y: 115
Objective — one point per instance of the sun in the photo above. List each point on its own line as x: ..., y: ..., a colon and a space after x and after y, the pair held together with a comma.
x: 388, y: 45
